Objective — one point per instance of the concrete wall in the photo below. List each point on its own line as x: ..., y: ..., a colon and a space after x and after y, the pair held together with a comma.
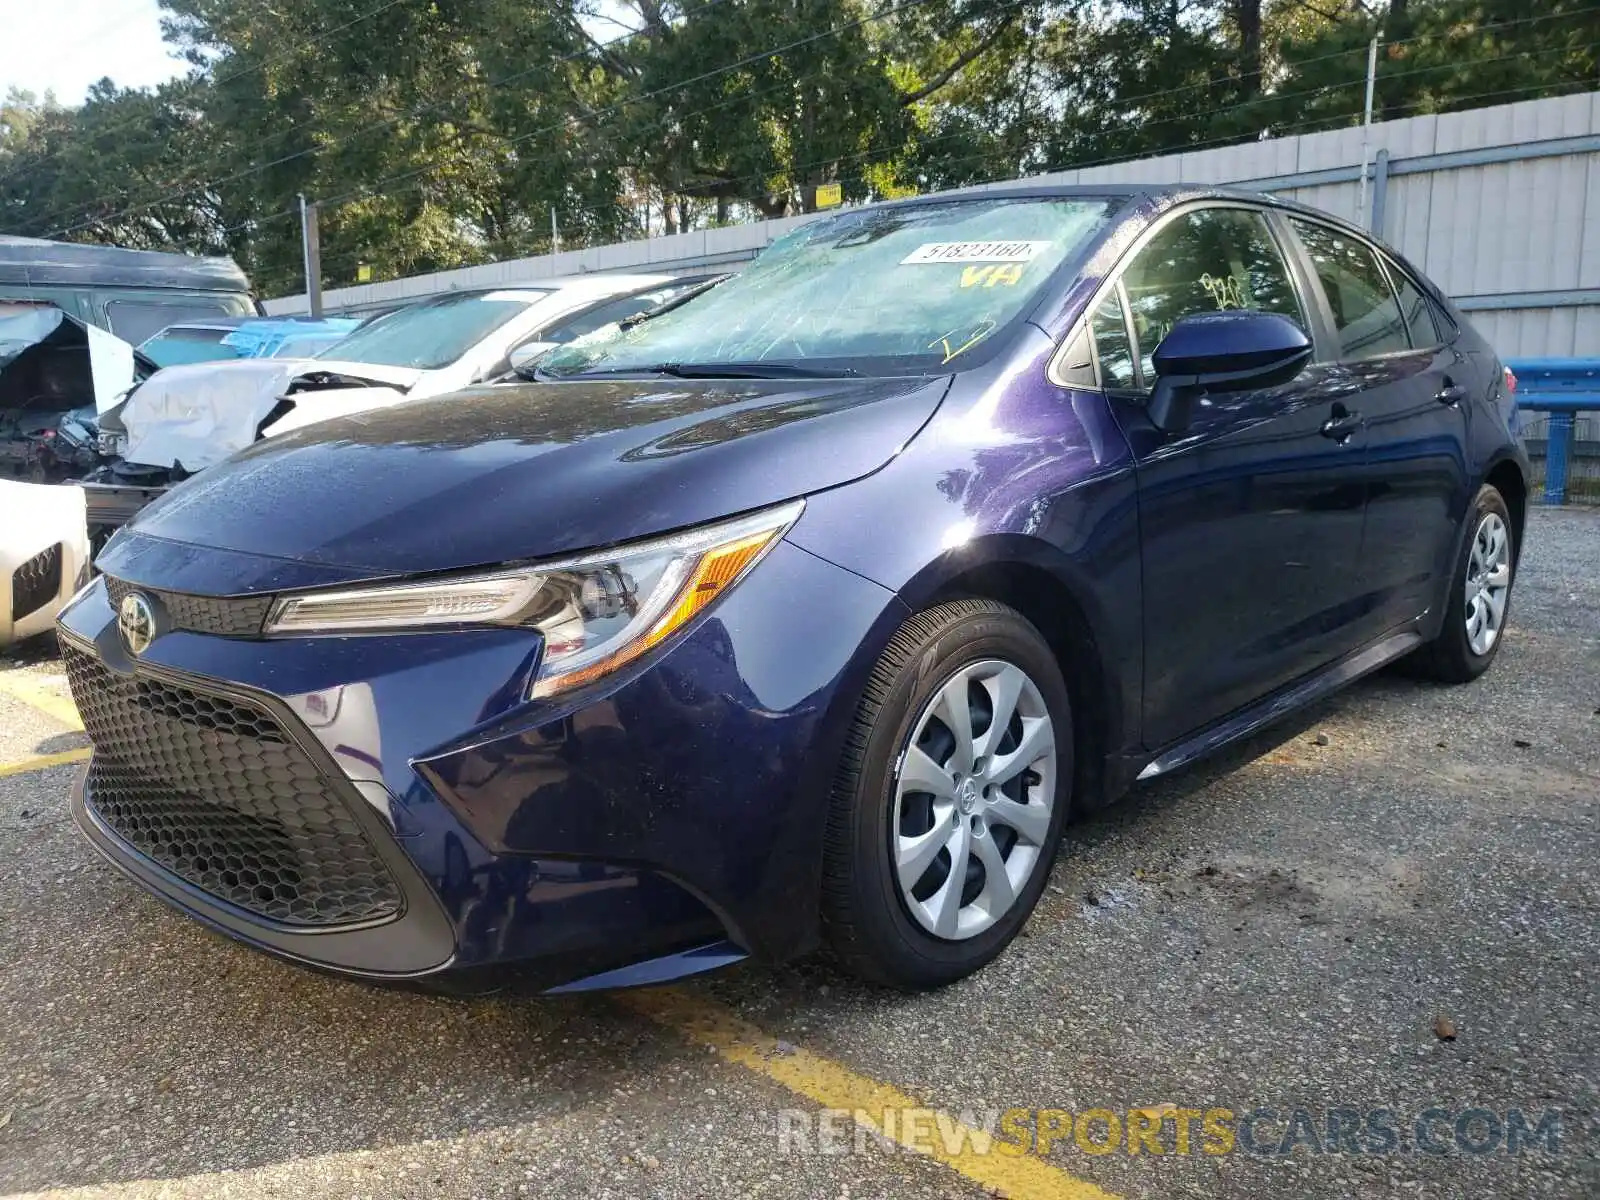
x: 1500, y: 206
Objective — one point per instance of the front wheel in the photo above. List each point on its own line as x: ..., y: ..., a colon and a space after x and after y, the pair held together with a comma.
x: 1480, y: 596
x: 950, y: 797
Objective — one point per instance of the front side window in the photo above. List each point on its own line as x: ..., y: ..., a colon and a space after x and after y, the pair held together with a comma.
x: 434, y: 333
x: 1208, y: 260
x: 1366, y: 314
x: 909, y: 289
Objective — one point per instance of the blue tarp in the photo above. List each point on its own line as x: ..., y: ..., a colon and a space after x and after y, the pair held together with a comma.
x: 262, y: 338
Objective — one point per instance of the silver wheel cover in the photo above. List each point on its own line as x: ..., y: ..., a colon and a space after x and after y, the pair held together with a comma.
x: 973, y: 792
x: 1488, y: 583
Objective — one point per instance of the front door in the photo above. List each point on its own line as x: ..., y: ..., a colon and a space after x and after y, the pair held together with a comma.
x: 1250, y: 518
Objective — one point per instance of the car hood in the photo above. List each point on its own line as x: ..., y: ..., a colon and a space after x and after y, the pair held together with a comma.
x: 506, y: 473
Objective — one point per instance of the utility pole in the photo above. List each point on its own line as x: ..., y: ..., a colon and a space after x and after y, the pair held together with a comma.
x: 555, y: 232
x: 1363, y: 218
x: 311, y: 244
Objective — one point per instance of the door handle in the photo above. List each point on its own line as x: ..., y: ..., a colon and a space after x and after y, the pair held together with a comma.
x: 1451, y: 393
x: 1341, y: 425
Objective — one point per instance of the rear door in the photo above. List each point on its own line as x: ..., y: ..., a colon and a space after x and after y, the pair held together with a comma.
x: 1409, y: 385
x: 1250, y: 519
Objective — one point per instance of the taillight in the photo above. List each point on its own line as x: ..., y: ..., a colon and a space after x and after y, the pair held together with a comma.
x: 1511, y: 381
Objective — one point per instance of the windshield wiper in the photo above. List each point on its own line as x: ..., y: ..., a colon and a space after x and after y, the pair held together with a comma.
x: 723, y: 370
x: 677, y: 301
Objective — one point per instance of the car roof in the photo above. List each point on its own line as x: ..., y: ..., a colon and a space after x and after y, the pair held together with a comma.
x: 34, y: 261
x: 596, y: 284
x: 1160, y: 196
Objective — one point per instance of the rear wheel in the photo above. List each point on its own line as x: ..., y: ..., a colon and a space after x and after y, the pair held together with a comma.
x: 950, y: 797
x: 1480, y: 596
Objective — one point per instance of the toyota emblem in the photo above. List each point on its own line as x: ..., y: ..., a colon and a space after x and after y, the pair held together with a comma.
x: 136, y: 621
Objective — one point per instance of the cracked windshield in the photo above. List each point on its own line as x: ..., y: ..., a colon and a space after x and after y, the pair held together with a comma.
x: 902, y: 290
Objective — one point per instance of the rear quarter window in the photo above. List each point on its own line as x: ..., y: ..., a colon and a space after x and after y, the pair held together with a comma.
x: 1425, y: 324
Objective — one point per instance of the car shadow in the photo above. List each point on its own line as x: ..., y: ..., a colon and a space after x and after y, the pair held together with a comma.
x: 203, y: 1055
x: 61, y: 743
x: 191, y: 1054
x: 1145, y: 804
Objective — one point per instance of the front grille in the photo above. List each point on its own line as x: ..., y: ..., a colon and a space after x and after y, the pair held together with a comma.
x: 36, y: 582
x: 223, y: 616
x: 216, y: 791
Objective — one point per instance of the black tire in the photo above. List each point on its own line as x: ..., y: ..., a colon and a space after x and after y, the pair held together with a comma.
x: 864, y: 914
x: 1449, y: 658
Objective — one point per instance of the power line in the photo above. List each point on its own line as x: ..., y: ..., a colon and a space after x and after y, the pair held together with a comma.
x: 1112, y: 160
x: 792, y: 171
x: 266, y: 63
x: 395, y: 181
x: 1243, y: 136
x: 1109, y: 161
x: 196, y: 183
x: 1572, y: 85
x: 1137, y: 156
x: 386, y: 186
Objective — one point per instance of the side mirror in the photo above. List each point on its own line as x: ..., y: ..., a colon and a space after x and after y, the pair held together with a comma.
x: 1233, y: 351
x: 525, y: 355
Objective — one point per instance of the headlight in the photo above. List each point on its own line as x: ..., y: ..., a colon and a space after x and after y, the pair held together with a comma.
x: 597, y: 611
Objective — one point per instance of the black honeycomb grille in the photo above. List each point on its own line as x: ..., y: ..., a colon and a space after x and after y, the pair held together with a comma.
x: 215, y: 791
x: 223, y: 616
x: 36, y: 582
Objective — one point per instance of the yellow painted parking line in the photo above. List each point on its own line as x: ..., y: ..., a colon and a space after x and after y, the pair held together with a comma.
x: 835, y: 1086
x: 21, y: 686
x: 43, y: 761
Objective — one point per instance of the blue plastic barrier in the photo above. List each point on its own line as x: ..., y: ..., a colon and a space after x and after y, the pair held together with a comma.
x: 1562, y: 387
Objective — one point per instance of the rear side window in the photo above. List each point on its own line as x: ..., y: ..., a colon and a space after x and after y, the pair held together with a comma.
x: 1366, y: 313
x: 1421, y: 321
x: 1205, y: 261
x: 67, y: 300
x: 137, y: 320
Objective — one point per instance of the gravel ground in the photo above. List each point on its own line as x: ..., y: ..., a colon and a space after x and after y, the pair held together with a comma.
x: 1289, y: 926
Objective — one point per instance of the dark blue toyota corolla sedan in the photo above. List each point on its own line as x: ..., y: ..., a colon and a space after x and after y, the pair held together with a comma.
x: 806, y: 611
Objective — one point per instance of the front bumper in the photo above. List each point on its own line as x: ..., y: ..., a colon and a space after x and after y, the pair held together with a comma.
x: 675, y: 805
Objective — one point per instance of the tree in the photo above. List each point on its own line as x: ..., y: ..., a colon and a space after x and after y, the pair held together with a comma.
x: 439, y: 133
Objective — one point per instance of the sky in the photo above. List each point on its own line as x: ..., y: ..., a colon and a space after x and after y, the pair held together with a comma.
x: 66, y: 45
